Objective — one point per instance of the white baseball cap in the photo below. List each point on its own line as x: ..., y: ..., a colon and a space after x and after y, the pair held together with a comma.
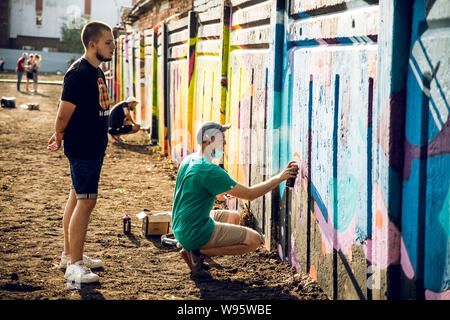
x: 131, y: 99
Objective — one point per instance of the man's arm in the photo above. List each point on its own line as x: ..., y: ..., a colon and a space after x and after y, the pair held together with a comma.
x: 128, y: 117
x: 65, y: 112
x: 251, y: 193
x: 224, y: 196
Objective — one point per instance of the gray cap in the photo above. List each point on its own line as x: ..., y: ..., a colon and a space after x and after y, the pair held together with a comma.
x: 209, y: 129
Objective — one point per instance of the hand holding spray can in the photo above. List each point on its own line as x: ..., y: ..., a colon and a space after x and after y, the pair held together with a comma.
x: 291, y: 181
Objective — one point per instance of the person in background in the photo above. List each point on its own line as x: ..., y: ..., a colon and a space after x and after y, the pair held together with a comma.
x: 120, y: 120
x: 28, y: 66
x: 20, y: 68
x: 2, y: 64
x: 34, y: 70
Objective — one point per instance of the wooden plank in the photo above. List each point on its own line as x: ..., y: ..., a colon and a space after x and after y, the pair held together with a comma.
x: 178, y: 37
x: 354, y: 23
x: 254, y: 13
x: 257, y: 35
x: 257, y: 138
x: 209, y: 46
x: 177, y: 24
x: 148, y: 41
x: 240, y: 3
x: 315, y: 7
x: 148, y: 32
x: 161, y: 92
x: 210, y: 15
x: 190, y: 90
x: 209, y: 30
x: 148, y: 50
x: 179, y: 51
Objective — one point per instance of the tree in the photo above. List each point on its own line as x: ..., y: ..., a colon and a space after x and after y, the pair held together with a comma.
x: 71, y: 35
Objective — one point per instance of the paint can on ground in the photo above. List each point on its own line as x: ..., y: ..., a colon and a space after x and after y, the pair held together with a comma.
x: 126, y: 224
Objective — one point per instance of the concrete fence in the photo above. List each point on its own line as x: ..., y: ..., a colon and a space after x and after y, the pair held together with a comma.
x: 50, y: 61
x: 355, y: 91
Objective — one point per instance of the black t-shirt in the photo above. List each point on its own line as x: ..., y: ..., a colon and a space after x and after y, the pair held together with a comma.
x: 116, y: 116
x: 86, y: 135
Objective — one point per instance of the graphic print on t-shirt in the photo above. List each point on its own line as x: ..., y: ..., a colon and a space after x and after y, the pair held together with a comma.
x: 103, y: 96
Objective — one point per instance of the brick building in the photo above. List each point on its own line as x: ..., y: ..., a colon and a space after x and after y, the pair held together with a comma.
x: 146, y: 14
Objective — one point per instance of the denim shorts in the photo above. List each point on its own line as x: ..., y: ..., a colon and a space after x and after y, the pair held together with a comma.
x: 85, y: 175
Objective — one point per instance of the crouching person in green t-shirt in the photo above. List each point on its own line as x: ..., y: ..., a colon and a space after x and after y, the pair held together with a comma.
x: 200, y: 231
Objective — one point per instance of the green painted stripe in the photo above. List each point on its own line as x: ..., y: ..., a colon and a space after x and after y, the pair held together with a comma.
x: 39, y: 82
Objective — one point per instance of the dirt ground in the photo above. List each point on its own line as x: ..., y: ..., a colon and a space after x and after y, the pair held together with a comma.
x: 34, y: 185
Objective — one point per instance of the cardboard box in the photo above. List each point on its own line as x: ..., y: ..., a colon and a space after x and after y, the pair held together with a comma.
x: 155, y: 224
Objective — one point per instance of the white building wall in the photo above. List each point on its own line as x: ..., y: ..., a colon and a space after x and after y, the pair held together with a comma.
x: 108, y: 10
x: 23, y: 15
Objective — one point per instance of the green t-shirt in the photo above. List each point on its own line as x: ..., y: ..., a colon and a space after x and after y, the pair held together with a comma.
x: 199, y: 181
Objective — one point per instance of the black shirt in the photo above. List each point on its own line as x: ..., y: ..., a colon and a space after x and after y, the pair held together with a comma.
x: 86, y: 133
x: 116, y: 116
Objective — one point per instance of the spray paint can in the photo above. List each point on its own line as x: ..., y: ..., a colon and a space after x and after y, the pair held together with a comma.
x: 291, y: 181
x: 126, y: 224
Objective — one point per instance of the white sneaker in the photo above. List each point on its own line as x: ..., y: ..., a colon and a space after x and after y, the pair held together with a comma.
x: 78, y: 273
x: 88, y: 262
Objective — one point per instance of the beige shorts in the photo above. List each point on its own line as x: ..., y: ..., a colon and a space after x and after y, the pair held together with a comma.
x: 225, y: 234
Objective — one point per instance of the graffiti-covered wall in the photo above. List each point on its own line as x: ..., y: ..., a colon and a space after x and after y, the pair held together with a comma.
x: 355, y: 91
x: 329, y: 78
x: 425, y: 202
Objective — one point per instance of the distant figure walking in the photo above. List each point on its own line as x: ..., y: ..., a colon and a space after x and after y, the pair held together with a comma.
x: 2, y: 64
x: 20, y: 69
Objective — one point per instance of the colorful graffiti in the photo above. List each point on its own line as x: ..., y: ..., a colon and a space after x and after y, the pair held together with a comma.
x: 426, y: 178
x: 341, y: 89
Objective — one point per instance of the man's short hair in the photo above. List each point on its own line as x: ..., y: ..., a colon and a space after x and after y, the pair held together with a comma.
x: 92, y: 31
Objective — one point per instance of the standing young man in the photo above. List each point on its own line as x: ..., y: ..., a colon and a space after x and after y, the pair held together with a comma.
x: 200, y: 231
x: 82, y: 122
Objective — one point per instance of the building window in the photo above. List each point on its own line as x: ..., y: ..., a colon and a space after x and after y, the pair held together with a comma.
x: 39, y: 19
x: 87, y: 8
x: 39, y: 7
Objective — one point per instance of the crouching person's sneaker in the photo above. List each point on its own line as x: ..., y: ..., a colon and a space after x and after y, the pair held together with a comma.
x: 195, y: 262
x: 88, y: 262
x: 78, y: 273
